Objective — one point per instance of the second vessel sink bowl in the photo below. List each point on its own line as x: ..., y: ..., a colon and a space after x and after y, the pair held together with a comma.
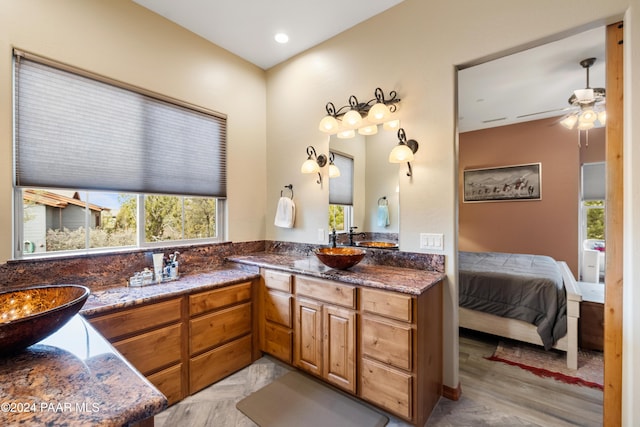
x: 380, y: 245
x: 340, y: 258
x: 32, y: 314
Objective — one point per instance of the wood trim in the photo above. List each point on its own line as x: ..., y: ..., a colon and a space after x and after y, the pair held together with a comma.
x: 452, y: 393
x: 612, y: 407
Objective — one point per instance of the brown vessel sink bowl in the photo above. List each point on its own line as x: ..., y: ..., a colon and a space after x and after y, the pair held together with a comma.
x: 340, y: 258
x: 29, y: 315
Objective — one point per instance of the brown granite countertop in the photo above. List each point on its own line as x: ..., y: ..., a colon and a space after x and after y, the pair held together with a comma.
x: 126, y: 296
x: 74, y: 378
x: 399, y: 279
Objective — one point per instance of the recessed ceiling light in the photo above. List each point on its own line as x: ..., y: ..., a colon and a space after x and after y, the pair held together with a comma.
x: 281, y: 38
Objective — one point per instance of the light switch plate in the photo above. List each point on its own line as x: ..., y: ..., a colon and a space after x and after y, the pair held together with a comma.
x: 321, y: 235
x: 433, y: 241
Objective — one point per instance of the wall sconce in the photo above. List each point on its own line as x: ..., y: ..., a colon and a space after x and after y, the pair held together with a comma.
x: 404, y: 151
x: 334, y: 172
x: 314, y: 163
x: 376, y: 111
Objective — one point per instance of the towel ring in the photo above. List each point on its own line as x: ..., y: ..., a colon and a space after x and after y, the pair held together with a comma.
x: 382, y: 201
x: 290, y: 187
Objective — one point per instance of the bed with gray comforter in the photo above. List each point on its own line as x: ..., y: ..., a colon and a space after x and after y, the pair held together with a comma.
x: 517, y: 286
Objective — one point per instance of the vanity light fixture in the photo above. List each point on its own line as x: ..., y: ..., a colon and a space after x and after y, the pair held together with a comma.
x: 404, y: 151
x: 314, y: 163
x: 334, y: 172
x: 346, y: 119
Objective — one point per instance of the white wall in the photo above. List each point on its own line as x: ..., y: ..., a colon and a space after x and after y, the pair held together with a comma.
x: 412, y: 48
x: 123, y: 41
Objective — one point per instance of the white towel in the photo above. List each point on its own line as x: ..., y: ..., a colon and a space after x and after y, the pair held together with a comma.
x: 285, y: 213
x: 383, y: 215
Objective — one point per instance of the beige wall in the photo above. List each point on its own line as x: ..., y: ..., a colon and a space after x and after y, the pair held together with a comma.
x: 123, y: 41
x: 546, y: 227
x: 413, y: 48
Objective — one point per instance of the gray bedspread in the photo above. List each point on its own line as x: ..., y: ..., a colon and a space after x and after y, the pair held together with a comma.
x: 518, y: 286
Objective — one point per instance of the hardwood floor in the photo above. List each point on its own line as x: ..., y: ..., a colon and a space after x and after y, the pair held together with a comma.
x: 493, y: 394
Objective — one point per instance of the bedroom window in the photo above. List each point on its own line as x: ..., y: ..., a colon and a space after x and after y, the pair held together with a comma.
x: 341, y: 194
x: 99, y: 164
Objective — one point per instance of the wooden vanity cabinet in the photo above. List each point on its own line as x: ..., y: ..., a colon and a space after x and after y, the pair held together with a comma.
x: 276, y: 314
x: 220, y: 339
x: 401, y: 351
x: 325, y: 330
x: 152, y: 338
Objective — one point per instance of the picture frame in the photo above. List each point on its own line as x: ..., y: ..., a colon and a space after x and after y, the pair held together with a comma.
x: 503, y: 184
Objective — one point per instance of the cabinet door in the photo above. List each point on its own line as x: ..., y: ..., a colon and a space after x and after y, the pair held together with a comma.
x: 308, y: 336
x: 339, y: 357
x: 277, y: 307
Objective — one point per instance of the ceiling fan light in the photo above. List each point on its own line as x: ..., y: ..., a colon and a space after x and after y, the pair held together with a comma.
x: 391, y: 125
x: 602, y: 117
x: 588, y: 116
x: 584, y: 95
x: 352, y: 119
x: 585, y: 125
x: 368, y: 130
x: 569, y: 122
x: 328, y: 124
x: 346, y: 134
x: 378, y: 113
x: 400, y: 154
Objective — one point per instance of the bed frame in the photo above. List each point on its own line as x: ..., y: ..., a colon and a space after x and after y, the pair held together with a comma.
x: 523, y: 331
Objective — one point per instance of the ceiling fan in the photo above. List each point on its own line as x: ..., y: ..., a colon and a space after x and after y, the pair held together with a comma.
x: 588, y: 104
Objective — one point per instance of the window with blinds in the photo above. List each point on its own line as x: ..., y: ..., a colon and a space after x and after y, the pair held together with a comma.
x: 95, y: 157
x: 341, y: 194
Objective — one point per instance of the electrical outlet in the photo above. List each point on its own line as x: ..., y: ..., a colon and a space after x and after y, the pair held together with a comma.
x: 432, y: 241
x: 320, y: 234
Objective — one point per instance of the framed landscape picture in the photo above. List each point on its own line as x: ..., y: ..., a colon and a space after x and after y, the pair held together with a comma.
x: 501, y: 184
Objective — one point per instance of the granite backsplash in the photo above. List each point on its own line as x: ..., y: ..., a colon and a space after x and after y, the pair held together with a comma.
x: 103, y: 271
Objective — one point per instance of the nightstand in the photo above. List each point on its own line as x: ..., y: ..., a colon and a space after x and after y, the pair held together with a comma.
x: 591, y: 323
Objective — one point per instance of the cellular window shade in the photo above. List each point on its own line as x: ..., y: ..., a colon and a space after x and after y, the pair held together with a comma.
x: 341, y: 188
x: 73, y: 131
x: 593, y: 181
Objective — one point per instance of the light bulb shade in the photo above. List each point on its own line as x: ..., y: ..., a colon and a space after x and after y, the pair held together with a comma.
x: 584, y: 95
x: 328, y: 124
x: 585, y: 125
x: 352, y: 119
x: 378, y: 113
x: 588, y: 116
x: 400, y: 154
x: 570, y: 121
x: 602, y: 117
x: 310, y: 166
x: 391, y: 125
x: 346, y: 134
x: 334, y: 172
x: 368, y: 130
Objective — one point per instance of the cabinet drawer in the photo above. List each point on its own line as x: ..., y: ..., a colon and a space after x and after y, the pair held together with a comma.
x: 216, y: 364
x: 153, y: 350
x: 387, y: 342
x: 277, y: 280
x: 278, y: 307
x: 218, y: 298
x: 169, y: 382
x: 221, y: 326
x: 278, y: 342
x: 389, y: 304
x: 127, y: 322
x: 387, y: 387
x: 328, y: 291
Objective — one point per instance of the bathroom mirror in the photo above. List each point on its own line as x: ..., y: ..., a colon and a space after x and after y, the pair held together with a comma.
x: 375, y: 184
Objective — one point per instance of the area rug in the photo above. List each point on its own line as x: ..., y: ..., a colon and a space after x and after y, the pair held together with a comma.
x: 295, y: 400
x: 553, y: 364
